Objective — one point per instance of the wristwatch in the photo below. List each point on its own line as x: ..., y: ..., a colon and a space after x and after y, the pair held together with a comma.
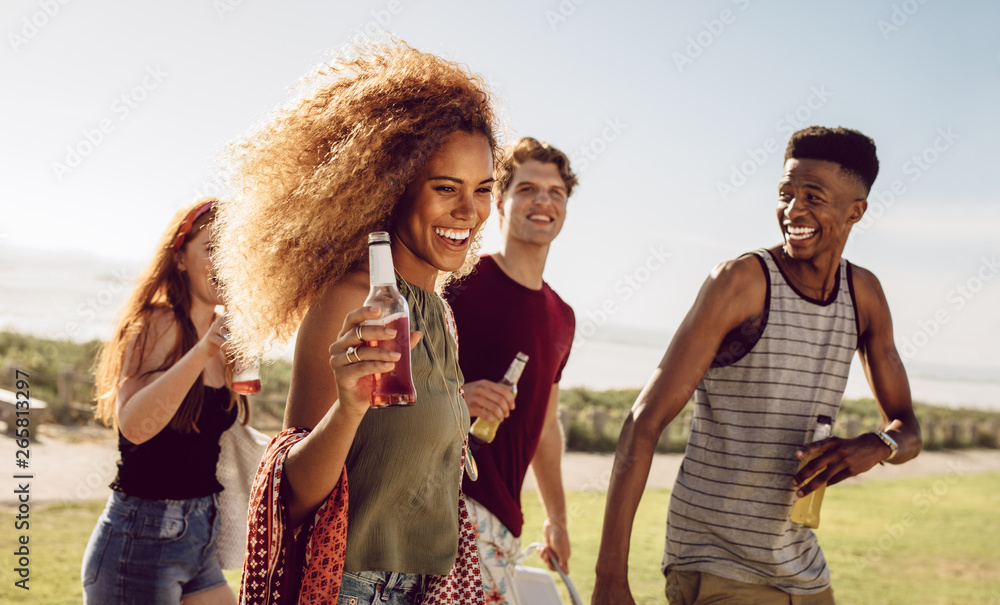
x: 886, y: 439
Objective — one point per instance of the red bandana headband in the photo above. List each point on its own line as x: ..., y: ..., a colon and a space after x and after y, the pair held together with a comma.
x: 189, y: 223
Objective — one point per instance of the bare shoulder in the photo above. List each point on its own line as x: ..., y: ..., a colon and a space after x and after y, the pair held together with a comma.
x: 149, y: 349
x: 162, y: 320
x: 335, y: 301
x: 869, y: 296
x: 313, y: 387
x: 734, y: 292
x: 739, y: 275
x: 738, y: 283
x: 865, y: 282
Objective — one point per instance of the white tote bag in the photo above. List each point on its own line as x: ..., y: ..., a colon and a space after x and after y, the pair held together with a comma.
x: 241, y: 449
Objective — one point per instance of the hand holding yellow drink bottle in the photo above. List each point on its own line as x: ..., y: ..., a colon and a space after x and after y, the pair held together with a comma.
x: 486, y: 430
x: 806, y: 509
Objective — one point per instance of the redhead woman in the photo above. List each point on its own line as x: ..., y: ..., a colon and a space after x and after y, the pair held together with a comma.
x: 361, y: 502
x: 163, y: 381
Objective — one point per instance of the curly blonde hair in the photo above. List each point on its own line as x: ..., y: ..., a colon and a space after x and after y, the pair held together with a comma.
x: 328, y: 168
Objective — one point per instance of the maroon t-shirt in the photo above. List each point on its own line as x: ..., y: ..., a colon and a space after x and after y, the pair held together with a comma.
x: 496, y: 318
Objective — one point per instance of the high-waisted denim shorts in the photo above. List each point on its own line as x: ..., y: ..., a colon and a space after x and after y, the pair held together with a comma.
x: 381, y: 588
x: 152, y: 551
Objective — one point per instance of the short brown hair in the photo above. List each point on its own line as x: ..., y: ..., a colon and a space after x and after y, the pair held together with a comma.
x: 527, y: 148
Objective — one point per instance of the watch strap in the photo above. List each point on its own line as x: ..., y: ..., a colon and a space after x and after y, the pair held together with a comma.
x: 886, y: 439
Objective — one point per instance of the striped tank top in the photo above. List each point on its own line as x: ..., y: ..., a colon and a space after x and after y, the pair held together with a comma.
x: 730, y: 505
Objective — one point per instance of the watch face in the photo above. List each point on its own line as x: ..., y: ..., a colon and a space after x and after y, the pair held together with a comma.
x: 893, y: 446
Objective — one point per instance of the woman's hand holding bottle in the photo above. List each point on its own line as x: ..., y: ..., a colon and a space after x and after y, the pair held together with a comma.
x: 354, y: 362
x: 214, y: 339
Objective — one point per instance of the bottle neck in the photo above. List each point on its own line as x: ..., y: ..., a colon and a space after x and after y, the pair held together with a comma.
x: 513, y: 373
x: 380, y: 264
x: 822, y: 431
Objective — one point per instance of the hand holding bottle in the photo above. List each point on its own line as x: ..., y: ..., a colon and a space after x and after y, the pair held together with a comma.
x: 355, y: 363
x: 485, y: 429
x: 395, y: 387
x: 807, y: 508
x: 490, y: 400
x: 214, y: 339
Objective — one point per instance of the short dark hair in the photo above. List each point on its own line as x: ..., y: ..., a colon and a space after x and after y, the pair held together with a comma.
x: 527, y: 148
x: 854, y: 151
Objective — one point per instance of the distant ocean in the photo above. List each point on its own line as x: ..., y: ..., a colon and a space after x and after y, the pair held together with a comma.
x: 76, y: 297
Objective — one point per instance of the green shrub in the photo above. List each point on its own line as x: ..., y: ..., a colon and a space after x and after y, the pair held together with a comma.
x: 856, y: 416
x: 45, y: 358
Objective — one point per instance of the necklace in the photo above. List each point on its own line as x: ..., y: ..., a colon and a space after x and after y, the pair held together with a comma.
x: 468, y: 462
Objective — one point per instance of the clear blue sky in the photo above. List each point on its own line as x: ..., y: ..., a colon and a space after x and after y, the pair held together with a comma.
x: 659, y: 103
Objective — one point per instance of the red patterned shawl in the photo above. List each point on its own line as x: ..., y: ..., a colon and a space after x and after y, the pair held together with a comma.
x: 272, y: 571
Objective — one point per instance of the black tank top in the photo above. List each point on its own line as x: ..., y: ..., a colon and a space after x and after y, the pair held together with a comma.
x: 174, y: 465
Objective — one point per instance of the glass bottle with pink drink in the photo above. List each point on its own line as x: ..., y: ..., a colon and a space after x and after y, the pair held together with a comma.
x: 394, y: 388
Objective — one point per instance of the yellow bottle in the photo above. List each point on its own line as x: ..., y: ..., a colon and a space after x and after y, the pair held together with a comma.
x: 486, y: 430
x: 806, y: 509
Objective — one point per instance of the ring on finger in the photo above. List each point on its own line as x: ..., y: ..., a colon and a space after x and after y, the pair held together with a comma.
x: 353, y: 351
x: 357, y: 332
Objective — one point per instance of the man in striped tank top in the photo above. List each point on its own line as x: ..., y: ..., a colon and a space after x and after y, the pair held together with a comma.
x: 765, y: 349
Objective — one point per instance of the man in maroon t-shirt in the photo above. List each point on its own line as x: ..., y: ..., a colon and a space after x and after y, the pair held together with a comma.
x: 502, y: 308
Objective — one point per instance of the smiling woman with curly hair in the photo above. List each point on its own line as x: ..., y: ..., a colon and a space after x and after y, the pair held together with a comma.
x: 327, y: 169
x: 388, y: 139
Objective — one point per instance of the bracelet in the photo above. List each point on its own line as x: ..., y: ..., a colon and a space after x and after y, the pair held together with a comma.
x: 889, y: 441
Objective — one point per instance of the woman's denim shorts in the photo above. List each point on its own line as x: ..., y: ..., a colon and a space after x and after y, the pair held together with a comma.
x: 152, y: 551
x: 381, y: 588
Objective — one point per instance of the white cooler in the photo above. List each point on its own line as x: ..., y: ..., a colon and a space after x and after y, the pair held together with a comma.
x: 536, y: 587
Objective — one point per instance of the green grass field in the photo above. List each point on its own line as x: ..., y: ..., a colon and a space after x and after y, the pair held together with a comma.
x: 930, y: 541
